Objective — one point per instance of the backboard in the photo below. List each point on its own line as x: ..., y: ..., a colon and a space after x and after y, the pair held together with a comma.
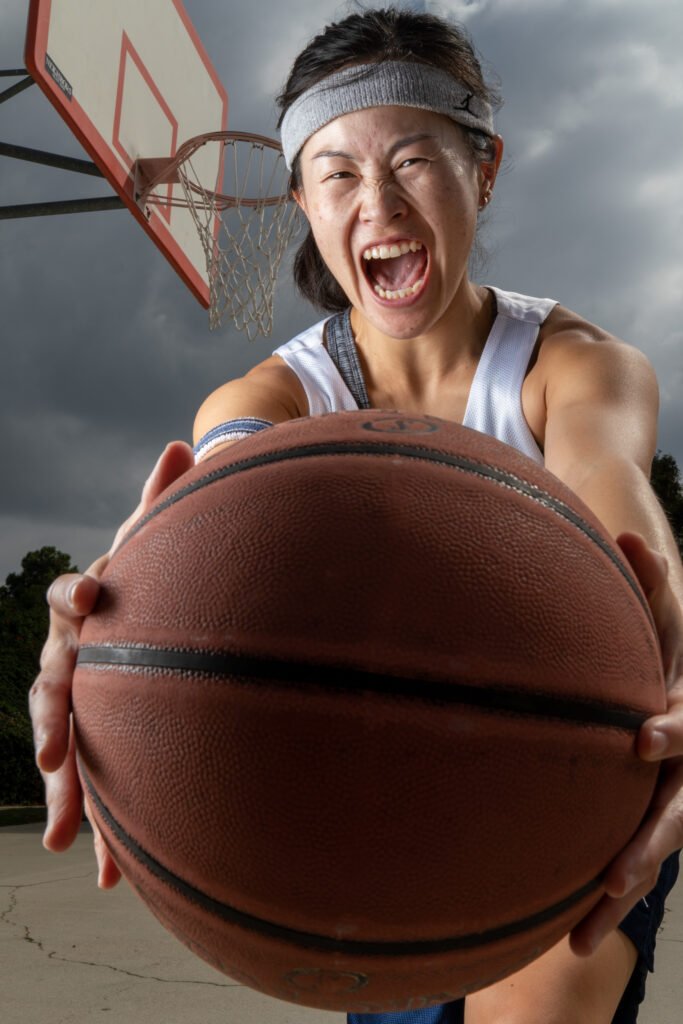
x: 132, y: 80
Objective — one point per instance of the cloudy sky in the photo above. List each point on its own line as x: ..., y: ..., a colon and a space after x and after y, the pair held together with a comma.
x: 106, y: 356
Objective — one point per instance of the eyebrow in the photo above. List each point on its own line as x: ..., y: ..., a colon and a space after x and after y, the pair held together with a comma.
x: 400, y: 144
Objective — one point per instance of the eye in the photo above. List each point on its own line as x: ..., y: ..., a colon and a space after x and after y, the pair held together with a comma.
x: 411, y: 161
x: 338, y: 176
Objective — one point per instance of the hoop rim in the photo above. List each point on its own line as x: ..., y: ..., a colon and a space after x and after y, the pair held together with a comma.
x: 153, y: 171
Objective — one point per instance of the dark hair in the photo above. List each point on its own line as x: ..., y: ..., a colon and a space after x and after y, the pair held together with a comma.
x: 375, y: 36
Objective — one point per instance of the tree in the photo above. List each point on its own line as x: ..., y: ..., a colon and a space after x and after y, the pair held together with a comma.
x: 24, y: 619
x: 667, y: 485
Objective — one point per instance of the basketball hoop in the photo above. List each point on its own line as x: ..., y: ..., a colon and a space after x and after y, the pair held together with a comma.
x: 239, y: 201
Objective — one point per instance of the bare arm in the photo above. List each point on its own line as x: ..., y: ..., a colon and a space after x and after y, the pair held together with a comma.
x: 602, y: 406
x: 270, y: 392
x: 601, y: 437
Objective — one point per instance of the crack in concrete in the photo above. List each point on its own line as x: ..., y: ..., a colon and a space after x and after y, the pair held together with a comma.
x: 54, y: 955
x: 12, y: 904
x: 13, y: 886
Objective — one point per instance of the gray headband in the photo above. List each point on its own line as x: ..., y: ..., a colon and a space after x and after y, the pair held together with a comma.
x: 393, y: 83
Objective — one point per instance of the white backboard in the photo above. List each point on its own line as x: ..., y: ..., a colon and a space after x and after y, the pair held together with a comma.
x: 132, y: 79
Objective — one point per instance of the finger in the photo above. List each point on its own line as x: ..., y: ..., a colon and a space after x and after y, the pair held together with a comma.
x: 50, y: 706
x: 50, y: 696
x: 662, y: 736
x: 64, y: 804
x: 651, y: 568
x: 73, y: 595
x: 660, y: 834
x: 633, y: 874
x: 70, y: 596
x: 108, y: 873
x: 607, y: 915
x: 175, y: 460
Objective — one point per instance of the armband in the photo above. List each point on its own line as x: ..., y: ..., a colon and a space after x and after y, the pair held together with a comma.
x: 231, y: 430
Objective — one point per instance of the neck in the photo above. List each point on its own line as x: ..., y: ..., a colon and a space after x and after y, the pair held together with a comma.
x: 413, y: 369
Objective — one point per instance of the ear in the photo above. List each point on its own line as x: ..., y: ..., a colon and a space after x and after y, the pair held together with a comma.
x: 488, y: 171
x: 300, y: 201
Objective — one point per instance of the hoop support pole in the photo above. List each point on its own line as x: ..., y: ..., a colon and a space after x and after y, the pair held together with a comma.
x: 61, y: 206
x: 14, y: 90
x: 39, y: 156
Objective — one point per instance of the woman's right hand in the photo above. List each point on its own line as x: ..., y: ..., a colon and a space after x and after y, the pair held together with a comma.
x: 71, y: 598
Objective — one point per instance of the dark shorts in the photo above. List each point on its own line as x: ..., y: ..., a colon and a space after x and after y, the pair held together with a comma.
x: 640, y: 925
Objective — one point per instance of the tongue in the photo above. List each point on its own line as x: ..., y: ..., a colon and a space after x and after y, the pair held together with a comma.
x: 401, y: 272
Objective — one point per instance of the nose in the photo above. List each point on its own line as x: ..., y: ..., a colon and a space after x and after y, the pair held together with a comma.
x: 381, y: 203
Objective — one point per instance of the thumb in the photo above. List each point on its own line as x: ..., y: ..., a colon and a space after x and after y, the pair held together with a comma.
x: 176, y: 458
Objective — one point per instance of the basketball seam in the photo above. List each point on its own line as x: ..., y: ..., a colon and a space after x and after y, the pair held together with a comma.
x: 305, y: 675
x: 413, y: 947
x: 485, y: 471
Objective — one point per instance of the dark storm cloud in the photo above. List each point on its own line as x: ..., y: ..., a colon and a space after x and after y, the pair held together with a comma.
x: 588, y: 210
x: 106, y: 357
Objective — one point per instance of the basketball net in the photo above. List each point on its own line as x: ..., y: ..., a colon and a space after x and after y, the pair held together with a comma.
x: 245, y: 220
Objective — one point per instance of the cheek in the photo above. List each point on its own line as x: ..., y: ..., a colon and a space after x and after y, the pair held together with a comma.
x: 329, y: 232
x: 457, y: 209
x: 459, y: 190
x: 325, y: 212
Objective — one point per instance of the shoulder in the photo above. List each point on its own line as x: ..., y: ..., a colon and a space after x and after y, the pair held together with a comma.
x: 577, y: 358
x: 270, y: 391
x: 601, y: 398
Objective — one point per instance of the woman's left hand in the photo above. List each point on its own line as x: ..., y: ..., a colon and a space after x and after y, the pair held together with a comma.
x: 634, y: 872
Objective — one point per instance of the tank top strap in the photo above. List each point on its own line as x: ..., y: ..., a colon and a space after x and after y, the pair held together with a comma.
x: 342, y: 350
x: 307, y: 356
x: 495, y: 402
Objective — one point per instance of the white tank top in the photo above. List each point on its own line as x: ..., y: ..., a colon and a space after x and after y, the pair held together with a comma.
x: 495, y: 401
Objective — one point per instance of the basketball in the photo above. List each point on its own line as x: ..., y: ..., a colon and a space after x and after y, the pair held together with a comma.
x: 356, y: 712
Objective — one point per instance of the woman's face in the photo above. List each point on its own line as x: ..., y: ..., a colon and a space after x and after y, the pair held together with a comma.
x: 392, y: 196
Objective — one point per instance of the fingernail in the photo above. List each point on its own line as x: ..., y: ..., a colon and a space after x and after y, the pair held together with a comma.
x: 630, y: 883
x: 39, y: 744
x: 158, y: 462
x: 47, y: 830
x: 70, y: 593
x: 149, y: 479
x: 658, y: 743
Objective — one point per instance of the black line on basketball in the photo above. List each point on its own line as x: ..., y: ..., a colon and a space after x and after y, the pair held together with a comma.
x: 497, y: 699
x: 426, y: 947
x: 387, y: 448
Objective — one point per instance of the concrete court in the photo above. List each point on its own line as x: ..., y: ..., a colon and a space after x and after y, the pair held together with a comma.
x: 74, y: 955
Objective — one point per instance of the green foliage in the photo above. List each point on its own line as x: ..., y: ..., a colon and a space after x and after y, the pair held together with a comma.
x: 24, y: 619
x: 667, y: 485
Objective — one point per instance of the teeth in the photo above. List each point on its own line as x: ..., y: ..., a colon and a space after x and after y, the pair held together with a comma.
x: 402, y: 293
x: 390, y: 252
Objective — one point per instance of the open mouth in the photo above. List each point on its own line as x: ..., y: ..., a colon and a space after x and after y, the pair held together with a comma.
x: 397, y: 270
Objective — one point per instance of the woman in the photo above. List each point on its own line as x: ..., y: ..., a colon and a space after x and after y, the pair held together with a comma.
x: 388, y: 130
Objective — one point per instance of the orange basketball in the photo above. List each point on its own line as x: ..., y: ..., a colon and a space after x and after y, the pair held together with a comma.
x: 357, y: 710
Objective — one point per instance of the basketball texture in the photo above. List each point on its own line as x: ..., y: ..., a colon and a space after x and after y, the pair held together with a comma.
x: 357, y: 710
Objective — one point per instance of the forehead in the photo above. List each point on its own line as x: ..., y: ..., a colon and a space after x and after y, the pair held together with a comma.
x: 377, y: 129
